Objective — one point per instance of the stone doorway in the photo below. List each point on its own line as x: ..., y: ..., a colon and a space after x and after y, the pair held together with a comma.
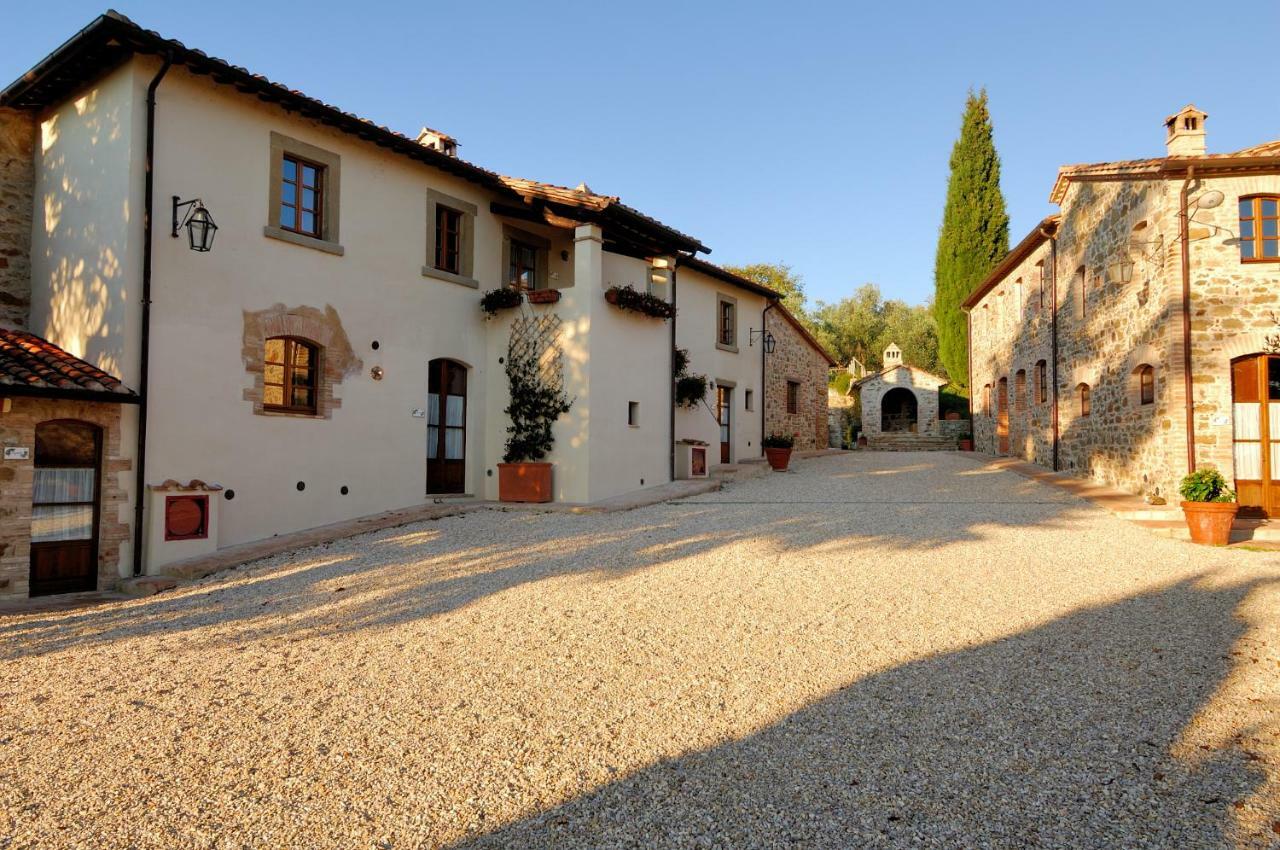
x: 899, y: 412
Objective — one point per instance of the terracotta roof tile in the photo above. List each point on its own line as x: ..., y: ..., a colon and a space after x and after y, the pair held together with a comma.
x: 1152, y: 165
x: 29, y: 362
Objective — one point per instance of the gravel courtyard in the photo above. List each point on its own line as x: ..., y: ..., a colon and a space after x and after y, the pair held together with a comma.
x: 876, y: 650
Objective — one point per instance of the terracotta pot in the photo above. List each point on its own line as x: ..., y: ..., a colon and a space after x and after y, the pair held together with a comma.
x: 529, y: 481
x: 1210, y: 522
x: 543, y: 296
x: 966, y: 445
x: 862, y: 442
x: 778, y: 458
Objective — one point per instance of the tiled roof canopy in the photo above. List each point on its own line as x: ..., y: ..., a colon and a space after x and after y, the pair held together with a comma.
x: 1242, y: 159
x: 30, y: 365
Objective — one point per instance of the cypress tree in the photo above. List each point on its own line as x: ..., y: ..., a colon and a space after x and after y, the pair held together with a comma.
x: 974, y: 236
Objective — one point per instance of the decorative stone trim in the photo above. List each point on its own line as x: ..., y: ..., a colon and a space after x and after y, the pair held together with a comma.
x: 323, y: 328
x: 721, y: 298
x: 467, y: 248
x: 330, y: 196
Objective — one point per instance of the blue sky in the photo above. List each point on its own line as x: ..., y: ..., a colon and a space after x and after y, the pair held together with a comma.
x: 809, y: 133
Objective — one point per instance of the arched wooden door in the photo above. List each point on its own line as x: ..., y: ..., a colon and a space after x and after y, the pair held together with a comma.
x: 446, y: 427
x: 1255, y: 397
x: 1002, y: 415
x: 64, y: 507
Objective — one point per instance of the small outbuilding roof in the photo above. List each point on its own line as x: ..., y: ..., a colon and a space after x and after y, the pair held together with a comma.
x: 31, y: 366
x: 914, y: 370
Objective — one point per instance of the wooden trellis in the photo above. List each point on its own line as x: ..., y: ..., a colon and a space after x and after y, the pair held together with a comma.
x: 539, y: 337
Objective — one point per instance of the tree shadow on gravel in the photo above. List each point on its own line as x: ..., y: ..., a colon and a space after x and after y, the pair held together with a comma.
x: 424, y: 570
x: 1073, y: 734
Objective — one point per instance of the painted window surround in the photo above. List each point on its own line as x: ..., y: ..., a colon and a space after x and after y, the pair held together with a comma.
x: 467, y: 250
x: 721, y: 298
x: 330, y: 196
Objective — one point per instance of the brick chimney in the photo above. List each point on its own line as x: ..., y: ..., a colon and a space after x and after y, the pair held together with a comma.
x: 437, y: 141
x: 1185, y: 132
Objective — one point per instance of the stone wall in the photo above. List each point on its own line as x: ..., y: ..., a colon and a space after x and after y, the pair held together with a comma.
x: 921, y: 384
x: 1123, y: 325
x: 795, y: 359
x: 17, y: 428
x: 17, y: 182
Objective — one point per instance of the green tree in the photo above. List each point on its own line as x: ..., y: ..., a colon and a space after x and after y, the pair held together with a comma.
x: 974, y: 235
x: 864, y: 324
x: 781, y: 279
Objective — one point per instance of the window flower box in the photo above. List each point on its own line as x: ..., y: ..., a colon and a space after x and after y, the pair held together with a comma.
x: 543, y: 296
x: 628, y: 298
x: 500, y: 299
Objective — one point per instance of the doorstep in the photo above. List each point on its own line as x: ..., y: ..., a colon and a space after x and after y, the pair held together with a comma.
x: 1165, y: 520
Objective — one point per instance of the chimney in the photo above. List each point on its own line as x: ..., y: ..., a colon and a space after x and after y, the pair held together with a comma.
x: 438, y: 141
x: 892, y: 356
x: 1185, y: 132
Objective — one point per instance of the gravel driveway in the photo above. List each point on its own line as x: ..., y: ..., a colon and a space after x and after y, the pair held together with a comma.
x: 876, y: 650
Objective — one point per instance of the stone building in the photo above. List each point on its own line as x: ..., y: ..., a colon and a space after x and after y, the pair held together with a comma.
x: 1131, y: 337
x: 326, y: 357
x: 899, y: 399
x: 796, y: 381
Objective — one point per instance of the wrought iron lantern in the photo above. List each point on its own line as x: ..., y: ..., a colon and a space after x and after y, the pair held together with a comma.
x: 770, y: 343
x: 198, y: 222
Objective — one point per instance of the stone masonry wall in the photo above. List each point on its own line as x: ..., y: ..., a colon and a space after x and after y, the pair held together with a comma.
x: 923, y: 387
x: 17, y: 428
x: 1123, y: 326
x: 794, y: 359
x: 17, y: 184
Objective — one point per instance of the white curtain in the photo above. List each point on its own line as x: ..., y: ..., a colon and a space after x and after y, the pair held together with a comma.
x: 1248, y: 458
x: 1248, y: 420
x: 1273, y: 411
x: 62, y: 485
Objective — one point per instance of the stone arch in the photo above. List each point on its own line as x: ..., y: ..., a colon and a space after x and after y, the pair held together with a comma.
x: 899, y: 411
x: 320, y: 327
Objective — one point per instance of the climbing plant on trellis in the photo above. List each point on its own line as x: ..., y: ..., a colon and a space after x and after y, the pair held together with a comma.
x: 535, y: 374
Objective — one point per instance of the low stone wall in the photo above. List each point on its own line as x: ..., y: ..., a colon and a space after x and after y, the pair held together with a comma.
x: 955, y: 429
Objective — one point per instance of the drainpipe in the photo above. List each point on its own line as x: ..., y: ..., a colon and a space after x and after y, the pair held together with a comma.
x: 1053, y: 336
x: 144, y: 361
x: 1184, y: 232
x: 764, y: 389
x: 671, y: 474
x: 968, y: 366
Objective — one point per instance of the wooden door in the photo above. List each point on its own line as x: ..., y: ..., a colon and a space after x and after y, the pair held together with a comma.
x: 446, y: 427
x: 1255, y: 407
x: 1002, y: 415
x: 64, y: 507
x: 724, y: 404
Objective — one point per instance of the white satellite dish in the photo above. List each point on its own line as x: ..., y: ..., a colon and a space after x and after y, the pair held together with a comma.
x: 1210, y: 199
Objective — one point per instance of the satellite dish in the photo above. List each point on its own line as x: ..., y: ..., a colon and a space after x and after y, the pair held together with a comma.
x: 1210, y: 199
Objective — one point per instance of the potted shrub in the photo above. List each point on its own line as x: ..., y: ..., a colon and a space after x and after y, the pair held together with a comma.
x: 1209, y: 506
x: 524, y: 476
x: 777, y: 448
x: 691, y: 390
x: 500, y: 299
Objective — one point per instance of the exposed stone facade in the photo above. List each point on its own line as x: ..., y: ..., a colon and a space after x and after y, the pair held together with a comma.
x: 17, y: 184
x: 322, y: 327
x: 795, y: 358
x: 1117, y: 246
x: 918, y: 382
x: 17, y: 428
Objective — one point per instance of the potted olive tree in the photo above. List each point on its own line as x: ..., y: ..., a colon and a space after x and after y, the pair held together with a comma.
x: 535, y: 406
x: 1209, y: 506
x: 777, y: 448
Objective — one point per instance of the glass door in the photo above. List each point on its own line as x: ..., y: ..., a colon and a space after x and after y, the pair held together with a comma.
x: 64, y: 508
x: 446, y: 427
x: 724, y: 405
x: 1255, y: 415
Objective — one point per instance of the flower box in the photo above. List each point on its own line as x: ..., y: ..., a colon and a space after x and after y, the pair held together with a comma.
x: 628, y: 298
x: 543, y: 296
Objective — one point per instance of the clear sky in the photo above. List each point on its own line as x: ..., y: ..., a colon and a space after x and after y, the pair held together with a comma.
x: 815, y: 134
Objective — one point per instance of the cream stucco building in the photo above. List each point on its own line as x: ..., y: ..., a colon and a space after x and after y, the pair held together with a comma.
x: 327, y: 358
x: 1133, y: 336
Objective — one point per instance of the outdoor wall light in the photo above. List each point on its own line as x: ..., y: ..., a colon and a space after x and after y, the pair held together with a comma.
x: 197, y: 221
x: 769, y: 342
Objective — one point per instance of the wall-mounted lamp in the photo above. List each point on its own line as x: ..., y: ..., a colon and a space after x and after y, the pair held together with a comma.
x: 197, y: 221
x: 769, y: 342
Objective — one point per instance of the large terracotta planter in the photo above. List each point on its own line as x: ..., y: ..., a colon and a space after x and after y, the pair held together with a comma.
x: 1210, y: 522
x: 529, y: 481
x: 966, y: 445
x: 778, y: 458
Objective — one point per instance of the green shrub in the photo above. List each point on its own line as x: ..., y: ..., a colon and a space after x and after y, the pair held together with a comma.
x: 535, y: 406
x: 629, y: 298
x: 1206, y: 485
x: 500, y: 299
x: 778, y: 441
x: 840, y: 383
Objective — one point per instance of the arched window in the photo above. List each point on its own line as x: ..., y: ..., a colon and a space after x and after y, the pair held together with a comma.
x: 1083, y: 392
x: 1260, y: 229
x: 1146, y: 385
x: 290, y: 370
x: 1042, y: 382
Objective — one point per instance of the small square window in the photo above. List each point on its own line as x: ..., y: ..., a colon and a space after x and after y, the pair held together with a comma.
x: 633, y: 414
x: 186, y: 517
